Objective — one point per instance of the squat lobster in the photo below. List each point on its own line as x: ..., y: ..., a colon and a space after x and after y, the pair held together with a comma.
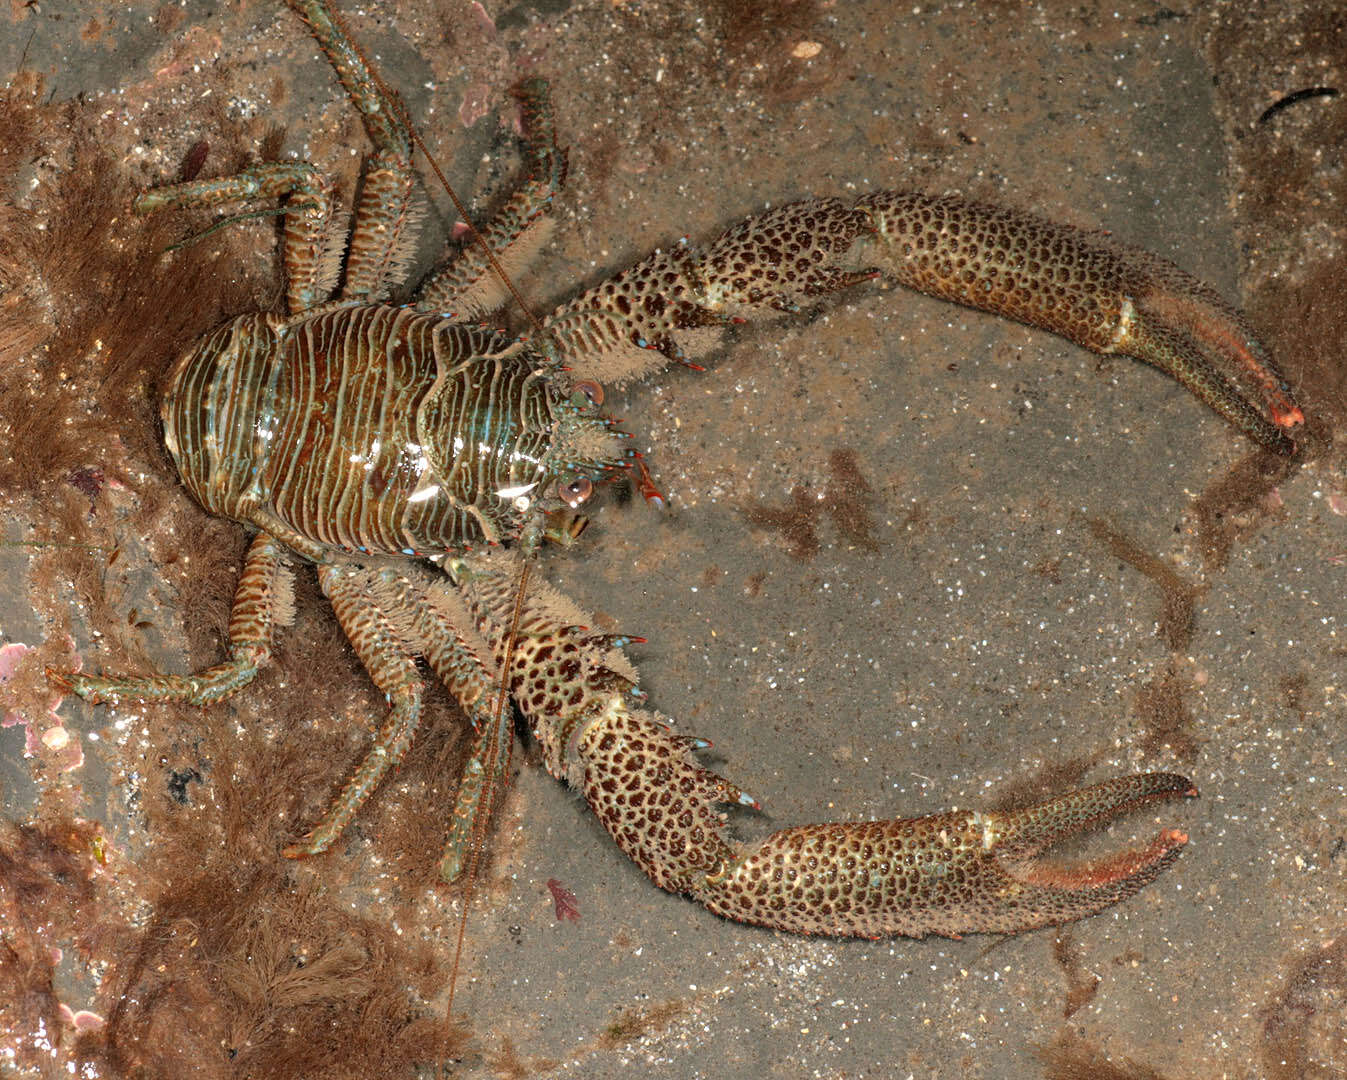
x: 372, y: 440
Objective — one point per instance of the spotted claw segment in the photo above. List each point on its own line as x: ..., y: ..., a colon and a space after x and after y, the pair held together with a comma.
x: 1103, y: 295
x: 950, y: 874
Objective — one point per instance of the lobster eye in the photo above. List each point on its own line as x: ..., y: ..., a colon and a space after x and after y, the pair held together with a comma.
x: 574, y: 492
x: 590, y: 390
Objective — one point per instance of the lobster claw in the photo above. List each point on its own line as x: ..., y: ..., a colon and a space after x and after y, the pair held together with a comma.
x: 948, y: 874
x: 1036, y: 893
x: 956, y: 873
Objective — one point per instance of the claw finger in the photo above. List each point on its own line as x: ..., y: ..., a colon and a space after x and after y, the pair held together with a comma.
x: 1197, y: 363
x: 1110, y: 870
x: 1195, y: 311
x: 1046, y: 895
x: 1024, y: 833
x: 1037, y: 893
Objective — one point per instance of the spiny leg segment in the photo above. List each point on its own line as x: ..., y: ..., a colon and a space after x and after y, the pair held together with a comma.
x: 391, y: 618
x: 469, y: 288
x: 383, y: 234
x: 311, y: 250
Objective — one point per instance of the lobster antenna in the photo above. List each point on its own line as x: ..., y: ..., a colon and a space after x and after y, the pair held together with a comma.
x: 395, y: 103
x: 482, y: 818
x: 248, y: 215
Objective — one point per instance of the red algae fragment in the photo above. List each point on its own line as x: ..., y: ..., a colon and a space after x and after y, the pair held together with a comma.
x: 564, y: 899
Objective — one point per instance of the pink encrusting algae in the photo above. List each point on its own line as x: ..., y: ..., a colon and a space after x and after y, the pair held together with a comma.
x: 45, y: 735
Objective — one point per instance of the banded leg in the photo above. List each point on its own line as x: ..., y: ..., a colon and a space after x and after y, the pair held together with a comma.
x: 432, y: 615
x: 355, y: 592
x: 1099, y: 294
x: 263, y: 602
x: 383, y: 235
x: 391, y: 617
x: 311, y: 249
x: 469, y: 288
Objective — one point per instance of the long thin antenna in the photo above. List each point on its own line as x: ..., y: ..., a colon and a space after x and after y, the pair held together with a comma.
x: 482, y: 819
x: 483, y: 816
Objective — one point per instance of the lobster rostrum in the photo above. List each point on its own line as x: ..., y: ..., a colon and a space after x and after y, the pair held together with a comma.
x: 415, y: 457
